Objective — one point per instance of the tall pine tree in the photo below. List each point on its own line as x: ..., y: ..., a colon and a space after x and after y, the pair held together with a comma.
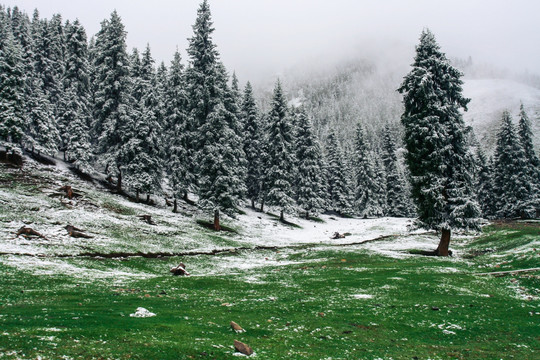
x: 212, y: 122
x: 366, y: 193
x: 397, y: 202
x: 76, y: 109
x: 141, y: 152
x: 337, y: 183
x: 438, y: 153
x: 484, y: 185
x: 111, y: 103
x: 179, y: 164
x: 513, y: 186
x: 252, y: 144
x: 525, y: 136
x: 12, y: 123
x: 279, y: 169
x: 309, y: 186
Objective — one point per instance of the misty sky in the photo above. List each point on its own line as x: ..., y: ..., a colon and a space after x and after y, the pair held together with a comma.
x: 263, y: 37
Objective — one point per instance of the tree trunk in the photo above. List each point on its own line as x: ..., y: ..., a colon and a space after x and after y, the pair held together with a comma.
x: 252, y: 204
x: 442, y: 250
x: 307, y: 215
x: 262, y: 205
x: 281, y: 217
x: 148, y: 198
x: 137, y: 194
x: 175, y: 206
x: 217, y: 227
x: 119, y: 183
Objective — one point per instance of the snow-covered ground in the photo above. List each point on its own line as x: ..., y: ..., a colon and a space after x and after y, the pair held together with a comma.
x: 113, y: 222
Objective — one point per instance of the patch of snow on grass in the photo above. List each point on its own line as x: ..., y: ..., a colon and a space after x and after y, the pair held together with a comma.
x: 40, y: 266
x: 142, y: 313
x: 362, y: 296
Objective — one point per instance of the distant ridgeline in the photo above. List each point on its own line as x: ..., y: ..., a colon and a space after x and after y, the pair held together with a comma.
x: 336, y: 146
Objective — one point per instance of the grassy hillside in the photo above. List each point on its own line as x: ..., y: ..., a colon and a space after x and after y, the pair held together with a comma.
x: 307, y: 298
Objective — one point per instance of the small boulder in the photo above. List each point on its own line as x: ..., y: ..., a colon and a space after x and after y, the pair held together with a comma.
x: 242, y: 348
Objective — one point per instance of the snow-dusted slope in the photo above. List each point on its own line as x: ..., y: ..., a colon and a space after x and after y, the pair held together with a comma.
x: 490, y: 97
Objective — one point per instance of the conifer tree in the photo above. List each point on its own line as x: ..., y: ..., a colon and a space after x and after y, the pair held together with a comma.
x: 141, y: 152
x: 231, y: 101
x: 309, y: 172
x: 438, y: 153
x: 279, y: 169
x: 337, y: 184
x: 12, y: 123
x: 41, y: 134
x: 179, y: 164
x: 201, y: 79
x: 76, y: 101
x: 525, y: 136
x: 111, y: 94
x: 484, y: 185
x: 252, y: 144
x: 396, y: 193
x: 212, y: 120
x: 380, y: 185
x: 513, y: 187
x: 366, y: 194
x: 20, y: 25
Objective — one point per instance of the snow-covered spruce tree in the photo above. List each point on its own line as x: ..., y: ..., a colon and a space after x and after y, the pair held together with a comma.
x: 221, y: 159
x: 525, y: 136
x: 380, y: 184
x: 366, y: 198
x: 397, y: 202
x: 212, y: 118
x: 279, y: 169
x: 310, y: 167
x: 20, y: 25
x: 76, y: 109
x: 12, y: 123
x: 231, y: 101
x: 41, y: 134
x: 337, y: 184
x: 438, y: 154
x: 49, y: 65
x: 178, y: 164
x: 201, y: 81
x: 485, y: 191
x: 252, y: 144
x: 111, y: 95
x: 513, y: 187
x: 140, y: 153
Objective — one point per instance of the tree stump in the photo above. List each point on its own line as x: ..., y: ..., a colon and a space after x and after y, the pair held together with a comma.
x: 147, y: 219
x: 179, y: 270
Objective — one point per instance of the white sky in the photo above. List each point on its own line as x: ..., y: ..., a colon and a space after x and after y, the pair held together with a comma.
x: 262, y: 37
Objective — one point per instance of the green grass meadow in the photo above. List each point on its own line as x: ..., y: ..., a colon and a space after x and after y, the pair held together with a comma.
x: 335, y: 304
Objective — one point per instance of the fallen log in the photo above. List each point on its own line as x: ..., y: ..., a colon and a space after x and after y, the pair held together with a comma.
x: 509, y: 272
x: 77, y: 233
x: 28, y: 232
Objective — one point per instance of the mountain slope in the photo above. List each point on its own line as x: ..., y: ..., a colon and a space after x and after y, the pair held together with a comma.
x: 490, y: 97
